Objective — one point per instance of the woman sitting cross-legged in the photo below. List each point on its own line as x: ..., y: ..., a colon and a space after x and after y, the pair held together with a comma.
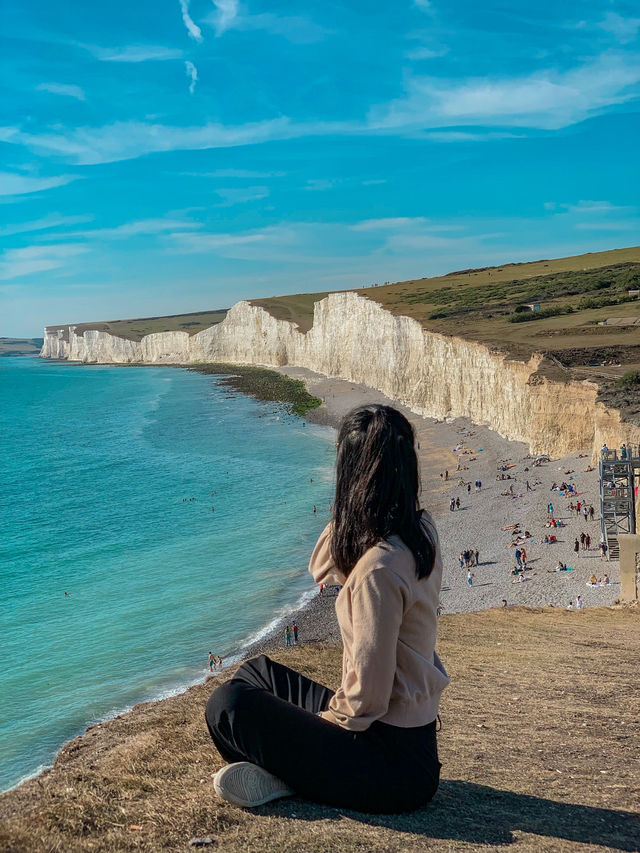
x: 371, y: 745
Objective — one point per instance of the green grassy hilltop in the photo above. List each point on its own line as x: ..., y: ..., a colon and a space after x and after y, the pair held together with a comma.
x: 135, y: 330
x: 574, y: 295
x: 20, y: 346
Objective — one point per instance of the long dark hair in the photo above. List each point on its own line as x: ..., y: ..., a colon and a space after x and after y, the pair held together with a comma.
x: 377, y: 488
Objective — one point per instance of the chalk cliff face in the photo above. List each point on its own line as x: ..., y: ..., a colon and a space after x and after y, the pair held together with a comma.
x: 356, y: 339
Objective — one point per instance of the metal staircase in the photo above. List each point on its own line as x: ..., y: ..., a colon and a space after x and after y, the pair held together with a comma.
x: 619, y: 474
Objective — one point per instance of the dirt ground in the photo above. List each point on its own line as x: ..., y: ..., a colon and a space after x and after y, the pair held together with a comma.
x: 539, y: 746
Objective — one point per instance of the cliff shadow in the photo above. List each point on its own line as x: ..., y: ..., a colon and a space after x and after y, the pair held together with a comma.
x: 478, y: 814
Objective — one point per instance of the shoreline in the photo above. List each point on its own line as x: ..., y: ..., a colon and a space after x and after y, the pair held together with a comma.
x: 485, y: 513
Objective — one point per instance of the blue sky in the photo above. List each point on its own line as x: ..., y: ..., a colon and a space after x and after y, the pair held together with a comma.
x: 178, y: 155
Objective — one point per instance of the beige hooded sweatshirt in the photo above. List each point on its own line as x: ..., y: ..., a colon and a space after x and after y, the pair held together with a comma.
x: 388, y: 619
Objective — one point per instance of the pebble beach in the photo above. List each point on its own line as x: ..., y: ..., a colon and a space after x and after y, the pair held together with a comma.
x: 473, y: 453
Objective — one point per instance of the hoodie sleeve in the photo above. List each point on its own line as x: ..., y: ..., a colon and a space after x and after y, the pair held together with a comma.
x: 321, y: 565
x: 377, y: 607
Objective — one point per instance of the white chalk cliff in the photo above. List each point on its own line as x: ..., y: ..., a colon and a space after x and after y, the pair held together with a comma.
x: 355, y: 338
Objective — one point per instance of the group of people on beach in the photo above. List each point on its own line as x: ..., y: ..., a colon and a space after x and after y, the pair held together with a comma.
x: 291, y: 633
x: 603, y: 581
x: 214, y: 662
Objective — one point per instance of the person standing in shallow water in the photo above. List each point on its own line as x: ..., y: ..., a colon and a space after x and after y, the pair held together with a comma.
x: 371, y: 745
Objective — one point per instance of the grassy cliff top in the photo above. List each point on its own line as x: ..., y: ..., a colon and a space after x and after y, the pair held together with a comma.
x: 575, y: 294
x: 538, y: 746
x: 478, y: 304
x: 20, y: 346
x: 135, y: 330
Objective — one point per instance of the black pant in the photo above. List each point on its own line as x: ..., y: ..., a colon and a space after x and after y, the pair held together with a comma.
x: 267, y: 714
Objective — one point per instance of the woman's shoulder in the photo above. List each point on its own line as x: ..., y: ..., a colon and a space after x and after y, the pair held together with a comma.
x: 389, y: 557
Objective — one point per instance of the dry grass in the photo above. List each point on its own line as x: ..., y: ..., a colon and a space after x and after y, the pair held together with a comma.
x: 539, y: 748
x: 135, y: 330
x: 296, y: 309
x: 411, y: 299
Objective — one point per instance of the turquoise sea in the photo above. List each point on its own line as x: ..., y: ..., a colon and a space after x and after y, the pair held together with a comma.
x: 109, y: 477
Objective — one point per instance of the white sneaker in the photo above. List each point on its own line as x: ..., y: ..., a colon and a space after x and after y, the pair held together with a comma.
x: 245, y: 784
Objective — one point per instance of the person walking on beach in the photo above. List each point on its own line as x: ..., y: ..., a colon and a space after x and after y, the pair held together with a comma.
x: 470, y: 577
x: 477, y: 557
x: 518, y: 556
x: 212, y: 661
x: 287, y: 636
x: 587, y: 542
x: 576, y: 547
x: 550, y: 509
x: 529, y: 489
x: 603, y: 550
x: 457, y: 503
x: 219, y: 662
x: 294, y: 628
x: 371, y: 745
x: 452, y: 504
x: 592, y: 512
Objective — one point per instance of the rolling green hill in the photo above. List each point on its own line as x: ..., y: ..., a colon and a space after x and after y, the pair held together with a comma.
x: 135, y: 330
x: 20, y: 346
x: 482, y: 304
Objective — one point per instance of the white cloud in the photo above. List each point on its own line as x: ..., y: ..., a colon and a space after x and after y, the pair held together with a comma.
x: 66, y: 89
x: 431, y: 108
x: 234, y: 173
x: 225, y: 15
x: 586, y: 206
x: 422, y: 4
x: 295, y: 28
x: 14, y: 184
x: 242, y: 195
x: 53, y: 220
x: 625, y: 225
x: 192, y: 28
x: 467, y: 136
x: 425, y: 53
x: 548, y: 100
x: 192, y: 74
x: 388, y: 223
x: 624, y: 30
x: 204, y: 243
x: 137, y: 228
x: 322, y: 184
x: 36, y: 259
x: 130, y: 139
x: 133, y: 53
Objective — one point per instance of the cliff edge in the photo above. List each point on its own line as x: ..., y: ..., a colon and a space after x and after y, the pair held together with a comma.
x: 355, y: 338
